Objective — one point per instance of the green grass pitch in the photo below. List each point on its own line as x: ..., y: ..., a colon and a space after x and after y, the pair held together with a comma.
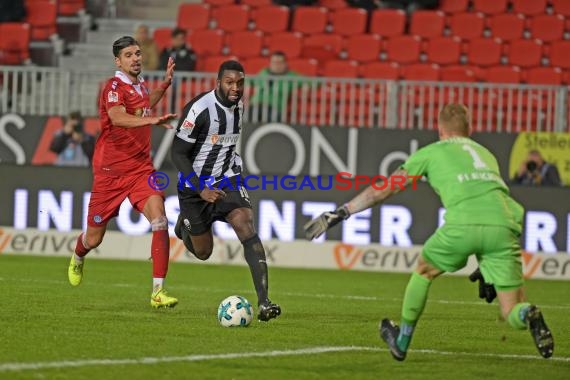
x: 105, y: 328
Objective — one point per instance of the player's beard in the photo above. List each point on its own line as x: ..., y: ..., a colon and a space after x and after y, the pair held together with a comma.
x: 226, y: 97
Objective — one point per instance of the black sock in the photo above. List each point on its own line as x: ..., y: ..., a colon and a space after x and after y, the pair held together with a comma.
x: 255, y: 257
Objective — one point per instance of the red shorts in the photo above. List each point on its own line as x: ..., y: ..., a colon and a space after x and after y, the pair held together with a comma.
x: 109, y: 192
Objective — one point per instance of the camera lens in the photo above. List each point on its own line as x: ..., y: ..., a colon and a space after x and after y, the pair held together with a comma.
x: 531, y: 166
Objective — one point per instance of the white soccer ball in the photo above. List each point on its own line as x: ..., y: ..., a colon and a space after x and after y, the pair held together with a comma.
x: 235, y: 311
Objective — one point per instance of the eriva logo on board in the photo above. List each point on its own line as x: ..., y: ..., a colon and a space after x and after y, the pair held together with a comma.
x: 346, y: 255
x: 530, y: 263
x: 397, y: 259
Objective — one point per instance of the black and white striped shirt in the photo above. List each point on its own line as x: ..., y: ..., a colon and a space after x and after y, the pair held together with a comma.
x: 206, y: 138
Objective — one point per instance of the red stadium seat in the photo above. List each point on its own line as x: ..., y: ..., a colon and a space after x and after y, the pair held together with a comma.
x: 254, y: 65
x: 349, y: 21
x: 544, y: 75
x: 467, y: 25
x: 561, y: 7
x: 192, y: 16
x: 507, y: 26
x: 490, y: 7
x: 529, y: 7
x: 231, y: 18
x: 41, y: 16
x: 206, y: 41
x: 213, y: 62
x: 458, y: 74
x: 484, y: 51
x: 322, y: 47
x: 271, y: 19
x: 380, y: 70
x: 427, y: 24
x: 453, y: 6
x: 560, y: 54
x: 304, y: 66
x: 14, y: 43
x: 421, y: 72
x: 162, y: 38
x: 245, y: 44
x: 547, y: 28
x: 219, y: 3
x: 364, y: 47
x: 69, y: 7
x: 287, y: 42
x: 388, y: 22
x: 341, y: 69
x: 333, y: 4
x: 525, y: 53
x: 444, y: 50
x: 256, y: 3
x: 403, y: 49
x: 310, y: 20
x: 503, y: 74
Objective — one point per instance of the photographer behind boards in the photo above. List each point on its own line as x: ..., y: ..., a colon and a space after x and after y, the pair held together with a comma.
x: 535, y: 171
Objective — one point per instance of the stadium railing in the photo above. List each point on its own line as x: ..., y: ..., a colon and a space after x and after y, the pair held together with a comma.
x: 315, y: 101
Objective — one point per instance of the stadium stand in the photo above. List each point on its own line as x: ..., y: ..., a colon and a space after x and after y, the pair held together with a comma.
x: 494, y: 41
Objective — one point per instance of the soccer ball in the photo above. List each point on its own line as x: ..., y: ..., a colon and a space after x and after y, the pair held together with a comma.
x: 235, y: 311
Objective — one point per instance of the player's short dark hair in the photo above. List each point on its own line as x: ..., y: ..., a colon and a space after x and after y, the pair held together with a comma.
x: 177, y: 31
x: 230, y: 65
x: 122, y: 43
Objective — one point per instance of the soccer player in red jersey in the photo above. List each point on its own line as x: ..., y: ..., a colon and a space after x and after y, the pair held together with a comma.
x: 122, y: 164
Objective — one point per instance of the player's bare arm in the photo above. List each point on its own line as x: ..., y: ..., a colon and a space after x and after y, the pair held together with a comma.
x: 120, y: 118
x: 371, y: 196
x: 157, y: 93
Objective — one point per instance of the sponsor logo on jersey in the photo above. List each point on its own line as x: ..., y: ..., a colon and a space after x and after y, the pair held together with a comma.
x: 187, y: 124
x: 112, y: 97
x: 225, y: 140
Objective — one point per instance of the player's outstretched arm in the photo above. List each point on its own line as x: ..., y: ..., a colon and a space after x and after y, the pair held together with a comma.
x: 120, y: 118
x: 371, y: 196
x: 157, y: 93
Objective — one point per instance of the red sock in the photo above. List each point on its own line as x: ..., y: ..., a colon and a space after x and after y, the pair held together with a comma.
x: 160, y: 251
x: 80, y: 249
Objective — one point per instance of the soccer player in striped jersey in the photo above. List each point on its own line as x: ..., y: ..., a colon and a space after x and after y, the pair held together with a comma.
x: 204, y: 153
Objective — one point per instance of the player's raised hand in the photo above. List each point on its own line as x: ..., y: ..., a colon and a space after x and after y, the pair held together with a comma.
x: 326, y: 220
x: 169, y: 70
x: 164, y: 121
x: 212, y: 195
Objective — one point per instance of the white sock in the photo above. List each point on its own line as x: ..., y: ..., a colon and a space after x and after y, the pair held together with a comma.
x: 157, y: 282
x: 79, y: 259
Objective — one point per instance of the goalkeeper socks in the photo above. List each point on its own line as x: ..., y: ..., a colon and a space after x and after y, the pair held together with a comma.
x: 405, y: 337
x: 81, y: 247
x: 255, y: 257
x: 517, y: 316
x: 415, y: 299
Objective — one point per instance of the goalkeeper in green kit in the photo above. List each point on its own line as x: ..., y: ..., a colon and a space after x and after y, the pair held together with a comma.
x: 481, y: 218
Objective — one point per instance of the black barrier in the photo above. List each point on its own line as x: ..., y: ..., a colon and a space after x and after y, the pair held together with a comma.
x: 52, y: 197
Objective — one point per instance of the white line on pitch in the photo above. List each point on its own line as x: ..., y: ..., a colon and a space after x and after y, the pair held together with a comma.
x: 16, y: 367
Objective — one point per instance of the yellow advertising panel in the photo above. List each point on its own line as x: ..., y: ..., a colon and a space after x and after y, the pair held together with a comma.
x: 554, y: 148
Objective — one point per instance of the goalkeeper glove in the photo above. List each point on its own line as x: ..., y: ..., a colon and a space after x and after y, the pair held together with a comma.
x: 326, y: 220
x: 486, y: 291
